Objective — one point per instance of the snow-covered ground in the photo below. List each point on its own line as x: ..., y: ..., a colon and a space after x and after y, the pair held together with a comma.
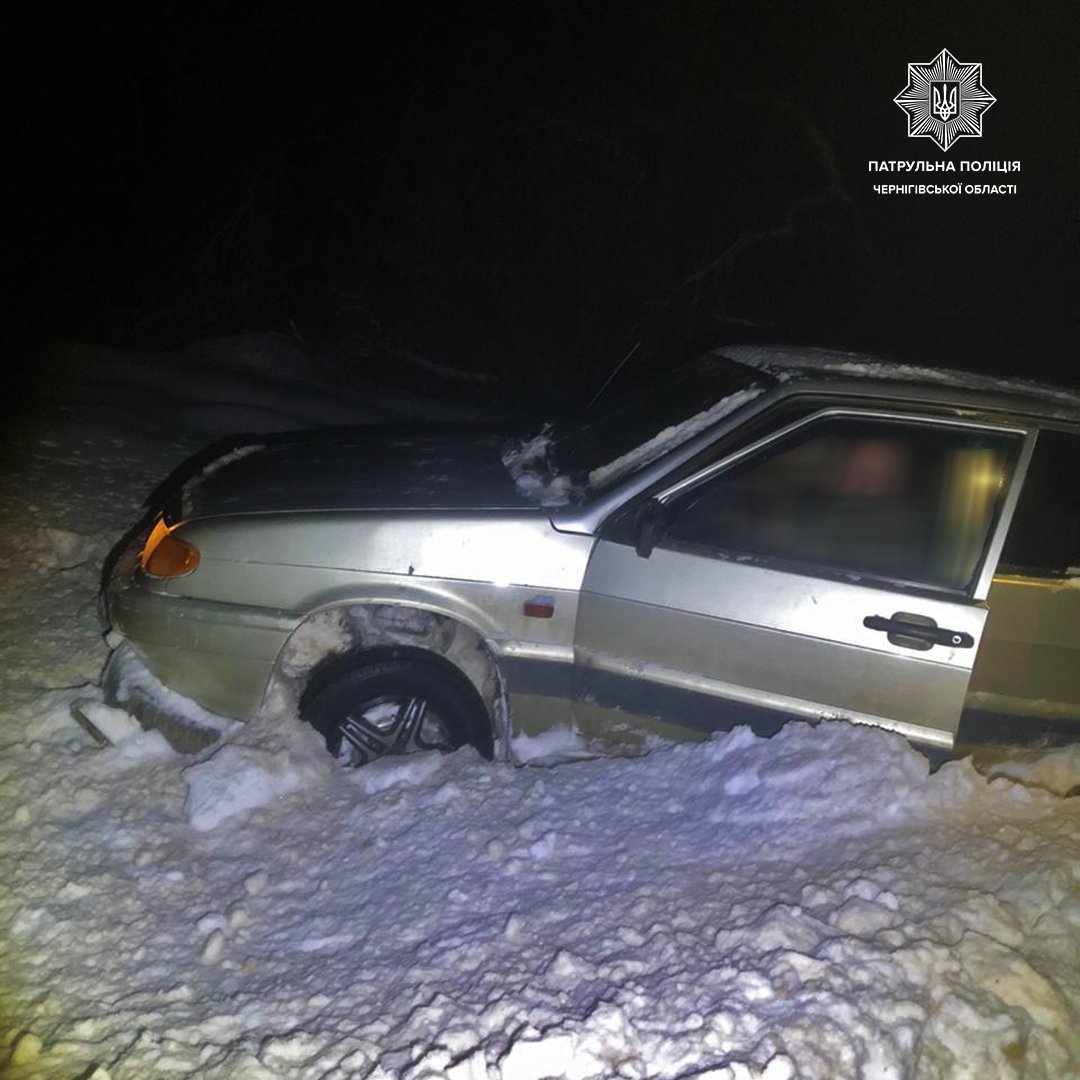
x: 813, y: 905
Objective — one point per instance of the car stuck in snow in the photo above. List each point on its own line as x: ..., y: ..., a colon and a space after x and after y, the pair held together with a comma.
x: 765, y: 534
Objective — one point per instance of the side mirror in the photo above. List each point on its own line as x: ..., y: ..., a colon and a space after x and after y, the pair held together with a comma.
x: 648, y: 527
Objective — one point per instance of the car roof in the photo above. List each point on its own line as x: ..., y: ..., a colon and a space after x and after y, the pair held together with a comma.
x: 805, y: 368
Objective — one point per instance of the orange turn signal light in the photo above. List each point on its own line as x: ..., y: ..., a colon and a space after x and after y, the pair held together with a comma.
x: 539, y: 607
x: 167, y: 556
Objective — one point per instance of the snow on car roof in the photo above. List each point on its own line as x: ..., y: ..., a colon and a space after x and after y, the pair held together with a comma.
x: 787, y: 362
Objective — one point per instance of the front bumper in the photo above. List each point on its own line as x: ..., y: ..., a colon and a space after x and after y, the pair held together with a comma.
x: 187, y: 726
x: 219, y: 655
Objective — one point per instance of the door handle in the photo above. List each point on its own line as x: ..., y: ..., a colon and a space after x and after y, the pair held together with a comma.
x: 924, y: 635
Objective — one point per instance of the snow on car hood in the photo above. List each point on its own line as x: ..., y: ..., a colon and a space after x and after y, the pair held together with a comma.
x: 355, y: 469
x: 529, y: 460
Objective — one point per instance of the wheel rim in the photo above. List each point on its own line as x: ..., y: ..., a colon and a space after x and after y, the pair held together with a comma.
x: 390, y: 724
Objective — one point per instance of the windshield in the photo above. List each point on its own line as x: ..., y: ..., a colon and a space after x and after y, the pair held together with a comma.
x: 662, y: 405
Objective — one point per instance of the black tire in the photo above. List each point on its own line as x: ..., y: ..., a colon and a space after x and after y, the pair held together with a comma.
x: 368, y: 708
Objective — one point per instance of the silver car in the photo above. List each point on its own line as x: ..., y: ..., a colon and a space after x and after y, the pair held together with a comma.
x: 764, y: 535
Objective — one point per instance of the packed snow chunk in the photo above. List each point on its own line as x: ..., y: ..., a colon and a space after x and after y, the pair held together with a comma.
x: 291, y: 1051
x: 213, y: 948
x: 1056, y: 770
x: 780, y: 1067
x: 813, y: 768
x: 550, y: 1055
x: 555, y: 744
x: 239, y: 914
x: 145, y: 746
x: 566, y: 966
x: 742, y: 782
x: 546, y: 846
x: 255, y: 883
x: 397, y: 771
x: 50, y: 715
x: 237, y: 779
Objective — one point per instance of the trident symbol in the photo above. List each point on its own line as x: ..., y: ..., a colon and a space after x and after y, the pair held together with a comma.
x: 944, y: 102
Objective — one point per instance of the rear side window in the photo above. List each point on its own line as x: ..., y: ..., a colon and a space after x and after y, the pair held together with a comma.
x: 1044, y: 539
x: 890, y: 499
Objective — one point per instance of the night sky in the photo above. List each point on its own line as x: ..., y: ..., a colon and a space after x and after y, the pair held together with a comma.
x: 534, y: 192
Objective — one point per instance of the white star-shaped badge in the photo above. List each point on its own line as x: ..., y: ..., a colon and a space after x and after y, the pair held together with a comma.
x: 944, y: 99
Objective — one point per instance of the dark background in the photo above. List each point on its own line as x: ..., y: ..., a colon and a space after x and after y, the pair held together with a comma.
x: 531, y: 192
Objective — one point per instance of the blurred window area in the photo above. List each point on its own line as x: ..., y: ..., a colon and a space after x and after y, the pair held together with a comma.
x: 898, y: 500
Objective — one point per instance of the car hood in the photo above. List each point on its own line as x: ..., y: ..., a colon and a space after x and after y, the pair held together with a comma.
x: 352, y: 469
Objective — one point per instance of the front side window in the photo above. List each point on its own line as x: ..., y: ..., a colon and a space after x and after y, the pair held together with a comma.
x: 892, y: 499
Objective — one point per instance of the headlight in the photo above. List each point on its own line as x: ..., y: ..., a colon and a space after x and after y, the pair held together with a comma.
x: 165, y: 555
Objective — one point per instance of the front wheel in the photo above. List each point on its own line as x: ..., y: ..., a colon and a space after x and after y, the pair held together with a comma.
x: 398, y: 705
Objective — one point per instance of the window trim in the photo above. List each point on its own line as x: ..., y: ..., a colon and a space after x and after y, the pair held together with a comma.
x: 980, y: 587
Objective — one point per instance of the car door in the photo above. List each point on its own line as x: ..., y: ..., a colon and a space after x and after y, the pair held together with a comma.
x: 834, y: 567
x: 1025, y: 688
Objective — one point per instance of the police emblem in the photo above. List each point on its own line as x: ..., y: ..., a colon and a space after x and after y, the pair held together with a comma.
x: 944, y: 99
